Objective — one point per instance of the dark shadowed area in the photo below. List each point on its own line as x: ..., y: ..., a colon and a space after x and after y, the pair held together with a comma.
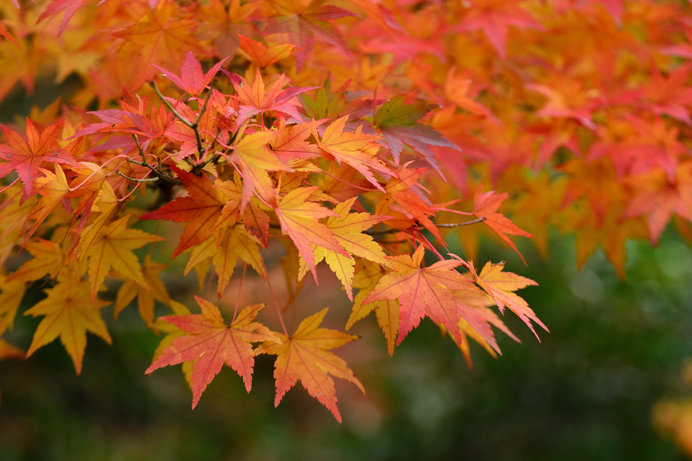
x: 586, y: 391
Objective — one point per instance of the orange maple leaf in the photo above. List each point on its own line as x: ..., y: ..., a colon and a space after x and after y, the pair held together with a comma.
x: 256, y: 99
x: 486, y: 205
x: 298, y: 218
x: 53, y: 188
x: 290, y: 142
x: 501, y: 286
x: 476, y: 321
x: 160, y: 37
x: 305, y: 356
x: 263, y: 55
x: 494, y: 17
x: 405, y: 191
x: 212, y: 343
x: 658, y: 196
x: 348, y: 229
x: 421, y: 291
x: 254, y: 158
x: 356, y: 149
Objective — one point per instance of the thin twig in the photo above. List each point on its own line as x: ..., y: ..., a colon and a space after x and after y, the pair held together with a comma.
x: 195, y: 128
x: 139, y: 148
x: 170, y: 107
x: 136, y: 179
x: 445, y: 225
x: 204, y: 108
x: 159, y: 174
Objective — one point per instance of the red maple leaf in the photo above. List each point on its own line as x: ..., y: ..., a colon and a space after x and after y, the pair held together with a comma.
x: 200, y: 209
x: 486, y: 205
x: 422, y: 291
x: 25, y: 156
x: 211, y: 343
x: 192, y: 80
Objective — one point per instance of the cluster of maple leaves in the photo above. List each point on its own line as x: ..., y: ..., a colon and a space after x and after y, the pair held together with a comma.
x: 353, y: 133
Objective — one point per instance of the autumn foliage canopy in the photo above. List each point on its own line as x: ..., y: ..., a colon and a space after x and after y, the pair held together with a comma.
x: 236, y: 139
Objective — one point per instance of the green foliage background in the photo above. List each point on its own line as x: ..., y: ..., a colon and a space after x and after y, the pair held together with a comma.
x: 585, y: 392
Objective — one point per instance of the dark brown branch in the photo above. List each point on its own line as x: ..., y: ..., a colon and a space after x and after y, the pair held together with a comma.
x: 157, y: 171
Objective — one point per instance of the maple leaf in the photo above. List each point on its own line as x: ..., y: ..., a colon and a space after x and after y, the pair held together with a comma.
x: 305, y: 355
x: 53, y: 188
x: 356, y: 149
x: 486, y: 205
x: 191, y: 79
x: 211, y: 343
x: 304, y: 21
x: 25, y: 157
x: 263, y: 55
x: 69, y: 312
x: 405, y: 191
x: 477, y: 321
x: 223, y: 21
x: 224, y: 252
x: 494, y: 17
x: 11, y: 294
x: 658, y: 197
x: 670, y: 95
x: 460, y: 90
x: 501, y: 286
x: 67, y: 7
x: 162, y: 36
x: 254, y: 158
x: 421, y: 291
x: 290, y: 142
x: 348, y: 230
x: 144, y: 119
x: 112, y: 248
x: 172, y: 332
x: 398, y: 121
x: 200, y: 209
x: 147, y: 291
x: 386, y: 310
x: 256, y: 222
x: 4, y: 33
x: 48, y: 259
x: 298, y: 218
x: 567, y: 98
x: 256, y: 99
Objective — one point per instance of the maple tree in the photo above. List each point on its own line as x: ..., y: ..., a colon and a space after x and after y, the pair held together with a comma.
x: 357, y: 133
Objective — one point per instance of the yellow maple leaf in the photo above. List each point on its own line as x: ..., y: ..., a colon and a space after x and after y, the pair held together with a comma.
x: 69, y: 312
x: 112, y: 248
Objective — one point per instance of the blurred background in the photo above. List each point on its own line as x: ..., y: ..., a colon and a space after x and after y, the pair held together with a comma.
x: 608, y: 383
